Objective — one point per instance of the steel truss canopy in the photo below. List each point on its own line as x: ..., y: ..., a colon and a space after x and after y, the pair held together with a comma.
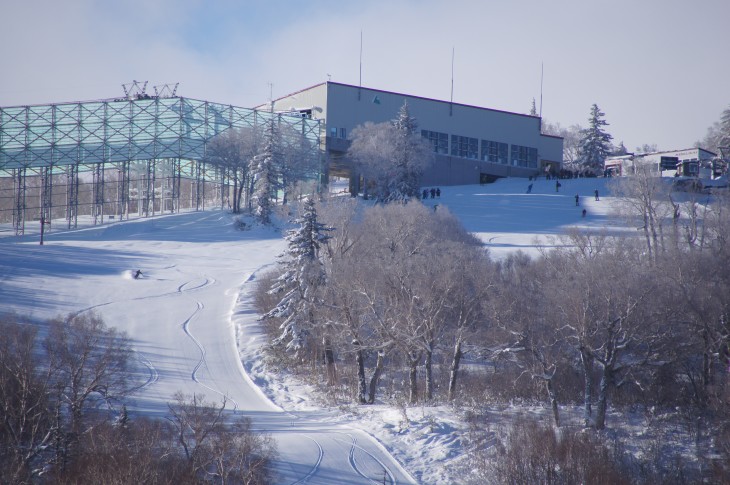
x: 119, y: 130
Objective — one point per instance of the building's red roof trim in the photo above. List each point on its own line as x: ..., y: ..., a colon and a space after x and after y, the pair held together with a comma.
x: 408, y: 96
x: 435, y: 100
x: 552, y: 136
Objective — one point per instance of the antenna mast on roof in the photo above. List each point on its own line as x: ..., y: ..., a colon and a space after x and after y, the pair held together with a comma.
x: 451, y: 103
x: 542, y: 70
x: 359, y: 88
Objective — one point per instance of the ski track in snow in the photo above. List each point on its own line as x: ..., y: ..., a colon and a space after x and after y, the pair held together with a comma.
x: 353, y: 462
x: 201, y: 362
x: 182, y: 289
x: 316, y: 466
x: 153, y: 374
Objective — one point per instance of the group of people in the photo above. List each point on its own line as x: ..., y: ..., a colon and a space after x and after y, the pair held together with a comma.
x: 557, y: 189
x: 435, y: 192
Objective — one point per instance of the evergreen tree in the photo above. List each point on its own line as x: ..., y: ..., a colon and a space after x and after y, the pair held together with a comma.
x: 621, y: 149
x: 533, y: 108
x: 264, y: 169
x: 303, y: 273
x: 409, y: 154
x: 723, y: 138
x: 595, y: 144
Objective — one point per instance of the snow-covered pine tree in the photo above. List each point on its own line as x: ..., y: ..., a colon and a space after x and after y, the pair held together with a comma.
x: 409, y: 156
x: 264, y: 169
x: 533, y: 108
x: 595, y: 143
x: 723, y: 139
x: 303, y: 273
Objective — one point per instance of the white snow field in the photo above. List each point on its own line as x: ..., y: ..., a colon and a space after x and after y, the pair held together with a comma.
x: 192, y: 307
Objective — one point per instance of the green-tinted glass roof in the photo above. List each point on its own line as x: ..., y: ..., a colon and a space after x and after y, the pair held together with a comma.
x: 125, y: 129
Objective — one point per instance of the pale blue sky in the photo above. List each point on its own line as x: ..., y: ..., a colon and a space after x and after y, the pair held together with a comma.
x: 659, y: 69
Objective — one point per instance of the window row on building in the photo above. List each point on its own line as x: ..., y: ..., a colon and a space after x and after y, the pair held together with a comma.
x: 487, y: 150
x: 338, y: 133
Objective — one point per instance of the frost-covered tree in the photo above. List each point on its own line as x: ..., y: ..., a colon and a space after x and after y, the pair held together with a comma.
x: 620, y: 149
x: 302, y: 275
x: 392, y: 156
x: 571, y: 141
x: 718, y: 134
x: 412, y: 154
x: 724, y: 135
x: 234, y: 149
x: 265, y: 170
x: 647, y: 148
x: 299, y: 160
x: 595, y: 142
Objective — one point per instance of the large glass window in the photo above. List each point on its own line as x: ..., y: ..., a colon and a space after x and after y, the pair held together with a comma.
x: 494, y: 151
x: 338, y: 132
x: 523, y: 156
x: 463, y: 146
x: 440, y: 141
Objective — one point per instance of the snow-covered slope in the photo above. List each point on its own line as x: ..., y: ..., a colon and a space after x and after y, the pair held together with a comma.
x: 191, y: 306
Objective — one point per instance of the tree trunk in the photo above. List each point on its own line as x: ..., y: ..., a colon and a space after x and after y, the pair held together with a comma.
x: 361, y: 382
x: 329, y: 360
x: 241, y: 187
x: 429, y: 372
x: 412, y: 374
x: 587, y: 360
x: 553, y: 401
x: 707, y: 358
x: 376, y: 377
x: 235, y: 192
x: 454, y: 370
x: 603, y: 398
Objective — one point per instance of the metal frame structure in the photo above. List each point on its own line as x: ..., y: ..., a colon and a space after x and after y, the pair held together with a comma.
x: 138, y: 148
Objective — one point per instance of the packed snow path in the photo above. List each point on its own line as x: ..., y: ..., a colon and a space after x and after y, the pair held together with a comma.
x: 181, y: 315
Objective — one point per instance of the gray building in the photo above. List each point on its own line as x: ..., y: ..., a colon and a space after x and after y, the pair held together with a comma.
x: 471, y: 144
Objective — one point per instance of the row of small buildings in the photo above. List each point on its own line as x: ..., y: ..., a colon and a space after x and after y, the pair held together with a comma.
x: 689, y: 162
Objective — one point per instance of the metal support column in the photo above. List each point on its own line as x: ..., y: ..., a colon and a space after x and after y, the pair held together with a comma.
x: 19, y: 206
x: 72, y: 195
x: 203, y: 183
x: 97, y: 204
x: 46, y: 205
x: 148, y: 198
x: 123, y: 190
x: 152, y: 171
x: 198, y: 192
x: 175, y: 179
